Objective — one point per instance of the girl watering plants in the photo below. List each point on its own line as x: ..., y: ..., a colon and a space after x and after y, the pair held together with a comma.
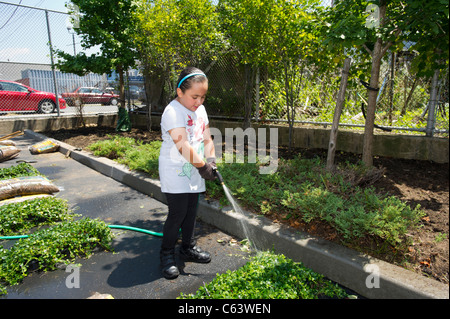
x: 186, y: 159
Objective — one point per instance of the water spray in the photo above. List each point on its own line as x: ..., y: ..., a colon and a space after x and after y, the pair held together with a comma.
x: 235, y: 205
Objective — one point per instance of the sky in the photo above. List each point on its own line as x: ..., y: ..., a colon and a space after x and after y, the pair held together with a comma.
x: 57, y: 5
x: 23, y: 31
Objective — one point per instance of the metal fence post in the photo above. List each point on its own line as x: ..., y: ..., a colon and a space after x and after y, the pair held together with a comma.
x: 53, y: 64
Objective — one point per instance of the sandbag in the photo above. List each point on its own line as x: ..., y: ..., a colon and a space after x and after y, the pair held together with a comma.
x: 7, y: 143
x: 28, y: 185
x: 8, y: 152
x: 47, y: 146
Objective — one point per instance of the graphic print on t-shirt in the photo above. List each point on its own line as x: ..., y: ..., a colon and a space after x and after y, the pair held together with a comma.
x: 188, y: 167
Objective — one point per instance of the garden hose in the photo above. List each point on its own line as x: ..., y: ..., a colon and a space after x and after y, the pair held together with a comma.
x: 218, y: 175
x: 13, y: 237
x: 135, y: 229
x: 140, y: 230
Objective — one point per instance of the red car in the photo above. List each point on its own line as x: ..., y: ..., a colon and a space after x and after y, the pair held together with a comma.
x: 17, y: 97
x: 90, y: 95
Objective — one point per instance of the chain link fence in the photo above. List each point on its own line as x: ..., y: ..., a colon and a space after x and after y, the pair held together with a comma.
x: 27, y: 35
x: 29, y: 85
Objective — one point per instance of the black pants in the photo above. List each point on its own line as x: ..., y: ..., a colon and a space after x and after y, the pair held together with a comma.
x: 182, y: 214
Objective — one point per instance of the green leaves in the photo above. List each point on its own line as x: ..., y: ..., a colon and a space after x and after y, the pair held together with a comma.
x: 269, y: 276
x: 109, y: 25
x: 303, y: 190
x: 127, y: 151
x: 47, y: 248
x: 44, y: 249
x: 425, y: 24
x: 19, y: 218
x: 267, y: 31
x: 177, y: 32
x: 19, y: 170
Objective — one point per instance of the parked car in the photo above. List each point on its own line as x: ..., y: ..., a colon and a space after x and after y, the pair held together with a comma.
x: 17, y: 97
x: 90, y: 95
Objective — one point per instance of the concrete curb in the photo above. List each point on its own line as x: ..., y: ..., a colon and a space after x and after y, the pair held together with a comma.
x: 342, y: 265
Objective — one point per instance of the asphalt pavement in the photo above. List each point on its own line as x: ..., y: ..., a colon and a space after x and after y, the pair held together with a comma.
x: 132, y: 270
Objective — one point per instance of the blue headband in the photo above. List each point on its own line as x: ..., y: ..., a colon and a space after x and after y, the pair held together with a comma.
x: 188, y: 76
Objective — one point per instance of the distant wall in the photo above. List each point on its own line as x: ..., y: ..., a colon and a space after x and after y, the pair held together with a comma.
x: 42, y: 124
x: 390, y: 145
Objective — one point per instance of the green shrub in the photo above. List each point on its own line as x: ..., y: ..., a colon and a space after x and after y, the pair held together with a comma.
x: 18, y: 218
x: 269, y: 276
x: 143, y: 158
x: 114, y: 147
x: 20, y: 170
x: 301, y: 188
x: 45, y: 249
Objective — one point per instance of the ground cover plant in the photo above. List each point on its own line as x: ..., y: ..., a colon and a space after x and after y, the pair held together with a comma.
x: 302, y: 190
x: 48, y: 248
x: 269, y: 276
x: 128, y: 151
x: 56, y: 238
x: 19, y: 218
x: 19, y: 170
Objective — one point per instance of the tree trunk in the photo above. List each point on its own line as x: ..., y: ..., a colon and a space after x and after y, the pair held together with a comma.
x: 372, y: 104
x: 121, y: 86
x: 391, y: 87
x: 290, y: 113
x: 154, y: 80
x: 337, y: 115
x: 373, y: 89
x: 148, y: 96
x: 249, y: 85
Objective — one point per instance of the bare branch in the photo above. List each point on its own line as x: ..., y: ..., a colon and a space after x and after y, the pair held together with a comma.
x: 390, y: 43
x: 367, y: 49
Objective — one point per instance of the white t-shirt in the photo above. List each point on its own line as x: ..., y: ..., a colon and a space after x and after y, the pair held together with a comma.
x: 176, y: 174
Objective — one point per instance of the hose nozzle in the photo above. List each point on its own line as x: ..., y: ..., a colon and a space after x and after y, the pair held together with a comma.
x: 219, y: 177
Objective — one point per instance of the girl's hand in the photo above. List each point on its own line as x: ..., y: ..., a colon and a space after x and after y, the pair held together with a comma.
x: 207, y: 172
x: 212, y: 161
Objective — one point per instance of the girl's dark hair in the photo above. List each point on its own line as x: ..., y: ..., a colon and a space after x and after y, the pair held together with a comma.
x: 187, y: 83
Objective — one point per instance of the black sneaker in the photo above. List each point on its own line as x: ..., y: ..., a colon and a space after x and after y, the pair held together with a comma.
x: 195, y: 254
x: 169, y: 267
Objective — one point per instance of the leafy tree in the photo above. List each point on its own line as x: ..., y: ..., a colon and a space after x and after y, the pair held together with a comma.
x: 249, y: 25
x: 296, y: 47
x: 282, y: 35
x: 108, y: 24
x: 394, y: 23
x: 172, y: 35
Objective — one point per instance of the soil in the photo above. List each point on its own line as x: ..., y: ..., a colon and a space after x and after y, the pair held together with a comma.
x: 415, y: 182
